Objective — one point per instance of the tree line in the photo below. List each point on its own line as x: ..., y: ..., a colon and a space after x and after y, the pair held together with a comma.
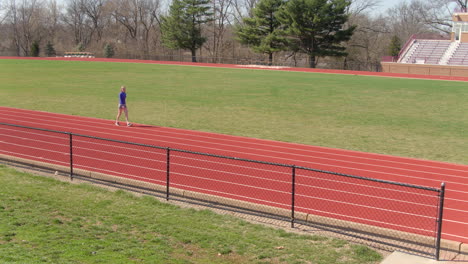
x: 345, y: 34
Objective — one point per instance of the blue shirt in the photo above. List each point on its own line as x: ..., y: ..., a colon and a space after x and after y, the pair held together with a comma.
x: 123, y: 96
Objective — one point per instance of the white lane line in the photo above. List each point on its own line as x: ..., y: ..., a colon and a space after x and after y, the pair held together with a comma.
x: 272, y: 144
x: 295, y: 160
x: 418, y: 165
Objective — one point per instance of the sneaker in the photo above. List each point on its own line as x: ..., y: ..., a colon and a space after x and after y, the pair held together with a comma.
x: 117, y: 124
x: 129, y: 124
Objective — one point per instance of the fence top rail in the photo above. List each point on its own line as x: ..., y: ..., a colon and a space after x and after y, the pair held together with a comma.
x: 36, y: 128
x: 86, y: 136
x: 372, y: 179
x: 120, y: 141
x: 182, y: 150
x: 233, y: 158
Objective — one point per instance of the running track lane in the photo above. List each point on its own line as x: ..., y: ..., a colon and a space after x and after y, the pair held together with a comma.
x: 413, y: 171
x: 317, y: 193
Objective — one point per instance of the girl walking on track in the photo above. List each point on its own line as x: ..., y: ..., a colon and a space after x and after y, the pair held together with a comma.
x: 122, y: 107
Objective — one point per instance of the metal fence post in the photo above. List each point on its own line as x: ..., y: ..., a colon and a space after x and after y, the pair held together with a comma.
x: 293, y: 194
x: 71, y: 156
x: 168, y: 151
x: 439, y: 219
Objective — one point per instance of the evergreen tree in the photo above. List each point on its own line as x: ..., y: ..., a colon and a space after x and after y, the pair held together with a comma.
x: 35, y: 49
x: 316, y: 27
x: 260, y: 31
x: 181, y: 29
x: 109, y: 51
x: 395, y: 46
x: 50, y: 50
x: 81, y: 47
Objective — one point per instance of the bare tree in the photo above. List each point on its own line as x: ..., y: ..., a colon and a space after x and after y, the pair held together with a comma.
x: 148, y: 12
x: 3, y: 11
x: 52, y: 19
x: 127, y: 14
x: 462, y: 4
x: 26, y: 19
x: 406, y: 19
x: 76, y: 19
x: 134, y: 25
x: 12, y: 17
x: 94, y: 10
x: 358, y: 7
x: 243, y: 8
x: 437, y: 14
x: 137, y: 23
x: 218, y: 27
x: 368, y: 42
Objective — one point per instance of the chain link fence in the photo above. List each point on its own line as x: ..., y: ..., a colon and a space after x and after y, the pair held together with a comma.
x: 256, y: 60
x: 402, y: 216
x: 278, y: 61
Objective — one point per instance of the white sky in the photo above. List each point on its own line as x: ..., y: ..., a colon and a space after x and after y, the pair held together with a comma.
x: 390, y: 3
x: 383, y: 3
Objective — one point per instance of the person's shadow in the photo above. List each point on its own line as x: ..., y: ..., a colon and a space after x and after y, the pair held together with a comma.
x: 144, y: 126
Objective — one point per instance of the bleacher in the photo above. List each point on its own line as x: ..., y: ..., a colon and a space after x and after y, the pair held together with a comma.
x: 434, y: 53
x: 460, y: 56
x: 77, y: 54
x: 428, y: 51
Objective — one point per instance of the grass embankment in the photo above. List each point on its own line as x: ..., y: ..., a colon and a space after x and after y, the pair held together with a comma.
x: 45, y: 220
x: 415, y: 118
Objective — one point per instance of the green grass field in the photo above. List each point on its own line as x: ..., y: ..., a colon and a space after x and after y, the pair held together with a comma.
x: 43, y: 220
x: 414, y: 118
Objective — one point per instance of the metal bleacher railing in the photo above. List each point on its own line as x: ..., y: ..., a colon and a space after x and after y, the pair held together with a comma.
x: 430, y: 51
x: 460, y: 55
x: 396, y: 215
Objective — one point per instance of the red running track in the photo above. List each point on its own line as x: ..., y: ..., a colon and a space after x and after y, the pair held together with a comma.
x: 272, y: 184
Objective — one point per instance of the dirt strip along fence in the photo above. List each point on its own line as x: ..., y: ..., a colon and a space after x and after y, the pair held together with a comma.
x: 395, y: 215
